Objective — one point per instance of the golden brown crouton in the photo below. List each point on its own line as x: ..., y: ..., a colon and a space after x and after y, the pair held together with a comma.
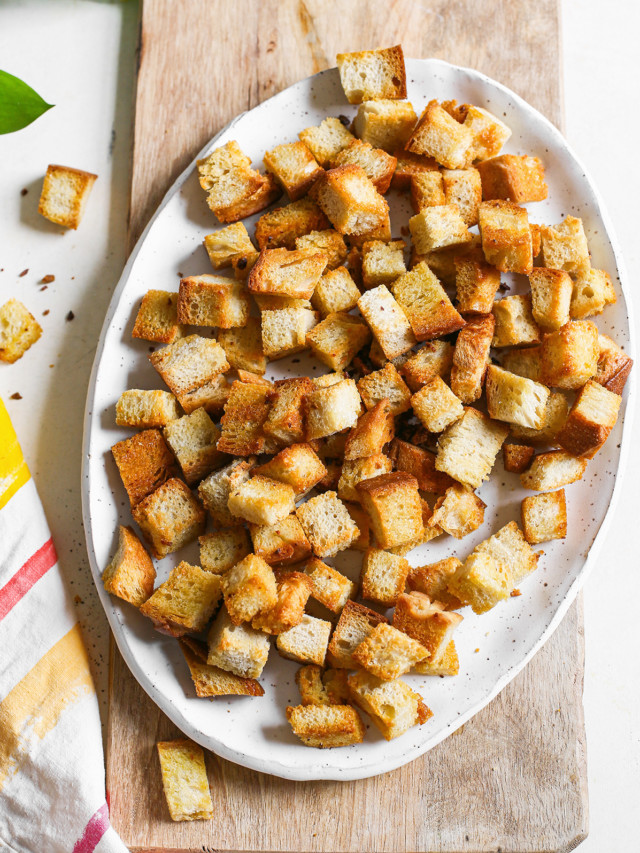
x: 591, y: 419
x: 326, y: 726
x: 285, y: 421
x: 439, y: 136
x: 385, y: 384
x: 564, y: 246
x: 64, y: 196
x: 510, y: 552
x: 212, y: 397
x: 146, y: 409
x: 237, y: 648
x: 211, y: 300
x: 525, y: 361
x: 354, y: 471
x: 294, y: 167
x: 514, y: 399
x: 350, y: 200
x: 249, y: 588
x: 337, y: 339
x: 544, y: 517
x: 471, y: 358
x: 280, y: 227
x: 516, y: 457
x: 294, y: 589
x: 467, y: 449
x: 19, y: 330
x: 157, y: 318
x: 433, y: 359
x: 421, y: 464
x: 329, y: 586
x: 228, y: 243
x: 427, y: 190
x: 477, y: 283
x: 281, y: 543
x: 185, y: 602
x: 382, y: 263
x: 518, y: 178
x: 550, y: 297
x: 489, y: 134
x: 514, y: 323
x: 481, y: 582
x: 329, y: 242
x: 387, y: 321
x: 506, y: 236
x: 243, y: 346
x: 437, y: 228
x: 377, y: 164
x: 371, y: 75
x: 592, y: 291
x: 426, y: 622
x: 463, y: 188
x: 287, y: 273
x: 388, y: 653
x: 331, y: 409
x: 425, y: 303
x: 458, y: 512
x: 169, y: 517
x: 214, y: 491
x: 433, y: 580
x: 335, y: 683
x: 553, y: 470
x: 383, y: 576
x: 409, y: 166
x: 245, y: 412
x: 570, y: 355
x: 374, y: 429
x: 193, y: 440
x: 284, y: 331
x: 336, y: 291
x: 189, y: 363
x: 184, y: 780
x: 312, y: 690
x: 261, y: 500
x: 327, y: 524
x: 385, y: 124
x: 355, y: 624
x: 393, y: 706
x: 393, y: 504
x: 297, y: 465
x: 614, y: 365
x: 130, y: 575
x: 326, y: 140
x: 144, y: 462
x: 436, y: 405
x: 210, y: 681
x: 306, y: 642
x: 449, y: 664
x: 222, y: 549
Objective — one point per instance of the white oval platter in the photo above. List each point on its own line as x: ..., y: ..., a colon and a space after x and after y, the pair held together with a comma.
x: 492, y: 648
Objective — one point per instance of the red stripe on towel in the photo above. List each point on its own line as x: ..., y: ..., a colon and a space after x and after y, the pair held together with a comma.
x: 26, y: 576
x: 93, y: 831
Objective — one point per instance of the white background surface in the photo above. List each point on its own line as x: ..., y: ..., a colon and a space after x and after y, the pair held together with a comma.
x: 80, y: 55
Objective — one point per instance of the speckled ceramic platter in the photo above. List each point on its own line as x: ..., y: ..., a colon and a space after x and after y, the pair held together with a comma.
x: 492, y: 648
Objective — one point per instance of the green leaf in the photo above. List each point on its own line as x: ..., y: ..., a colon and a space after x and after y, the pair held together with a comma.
x: 19, y: 104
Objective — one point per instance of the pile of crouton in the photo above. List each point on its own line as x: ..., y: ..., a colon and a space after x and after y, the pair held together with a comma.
x: 433, y: 372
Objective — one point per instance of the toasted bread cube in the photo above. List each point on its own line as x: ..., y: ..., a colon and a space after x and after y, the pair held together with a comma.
x: 467, y: 450
x: 426, y: 622
x: 249, y: 589
x: 514, y: 399
x: 226, y: 175
x: 510, y: 552
x: 212, y: 397
x: 245, y: 412
x: 211, y: 300
x: 279, y: 228
x: 394, y: 508
x: 477, y: 283
x: 355, y: 624
x: 335, y: 292
x: 372, y: 75
x: 170, y: 517
x: 144, y: 462
x: 287, y: 273
x: 428, y: 533
x: 377, y: 164
x: 516, y: 457
x: 564, y: 246
x: 19, y: 330
x: 262, y: 500
x: 433, y: 359
x: 298, y: 465
x: 214, y: 491
x: 189, y: 363
x: 514, y: 322
x: 228, y: 243
x: 591, y: 292
x: 329, y: 586
x: 146, y: 409
x: 385, y: 124
x: 354, y: 471
x: 157, y: 317
x: 293, y: 589
x: 185, y: 602
x: 471, y: 358
x: 326, y: 726
x: 193, y: 439
x: 282, y: 543
x: 388, y: 653
x: 329, y: 242
x: 337, y: 339
x: 267, y: 192
x: 243, y: 264
x: 392, y: 705
x: 410, y: 166
x: 331, y: 409
x: 518, y: 178
x: 210, y: 681
x: 436, y: 405
x: 222, y: 549
x: 285, y: 421
x: 449, y: 664
x: 591, y: 419
x: 350, y: 200
x: 312, y: 690
x: 64, y: 196
x: 526, y: 362
x: 327, y: 524
x: 425, y: 303
x: 374, y: 429
x: 420, y: 464
x: 506, y: 236
x: 553, y: 470
x: 614, y: 365
x: 383, y: 578
x: 481, y: 583
x: 184, y: 780
x: 550, y: 297
x: 382, y: 263
x: 243, y: 346
x: 458, y: 512
x: 284, y: 331
x: 463, y: 188
x: 381, y: 232
x: 130, y: 575
x: 544, y: 517
x: 488, y: 132
x: 387, y: 321
x: 336, y: 686
x: 433, y: 580
x: 237, y: 648
x: 427, y: 190
x: 294, y: 167
x: 326, y: 140
x: 439, y: 136
x: 555, y: 417
x: 438, y: 227
x: 570, y: 355
x: 305, y: 642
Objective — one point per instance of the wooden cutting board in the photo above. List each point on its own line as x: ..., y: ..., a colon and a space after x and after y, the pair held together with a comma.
x: 514, y: 779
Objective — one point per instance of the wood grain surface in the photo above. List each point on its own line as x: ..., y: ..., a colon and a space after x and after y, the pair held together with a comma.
x: 514, y: 778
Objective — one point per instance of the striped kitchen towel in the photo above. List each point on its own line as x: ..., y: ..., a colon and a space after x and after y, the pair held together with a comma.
x: 52, y: 786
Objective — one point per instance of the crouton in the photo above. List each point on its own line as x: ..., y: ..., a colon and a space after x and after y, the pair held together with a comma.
x: 188, y: 363
x: 214, y: 491
x: 441, y: 262
x: 279, y: 228
x: 514, y: 322
x: 282, y: 543
x: 555, y: 417
x: 463, y: 188
x: 385, y: 124
x: 329, y: 586
x: 298, y: 465
x: 328, y: 379
x: 184, y: 780
x: 287, y: 273
x: 284, y: 331
x: 439, y: 136
x: 144, y: 462
x: 227, y: 243
x: 570, y: 355
x: 285, y: 421
x: 170, y: 517
x: 210, y: 681
x: 489, y: 134
x: 481, y: 582
x: 506, y: 236
x: 564, y: 246
x: 516, y: 457
x: 374, y: 429
x: 433, y: 579
x: 331, y: 409
x: 335, y: 292
x: 227, y: 176
x: 329, y: 242
x: 245, y: 412
x: 427, y: 190
x: 327, y: 524
x: 146, y: 409
x: 312, y: 690
x: 243, y: 264
x: 193, y: 440
x: 437, y: 228
x: 428, y: 533
x: 471, y: 358
x: 426, y: 622
x: 185, y: 602
x: 237, y: 648
x: 305, y: 642
x: 157, y: 317
x: 433, y: 359
x: 293, y: 589
x: 425, y: 303
x: 64, y: 196
x: 211, y: 300
x: 544, y: 517
x: 514, y: 399
x: 614, y: 365
x: 249, y: 588
x: 294, y: 167
x: 212, y: 397
x: 467, y: 449
x: 222, y: 549
x: 130, y: 575
x: 553, y: 470
x: 354, y: 471
x: 448, y: 664
x: 350, y: 200
x: 383, y: 577
x: 550, y: 297
x: 409, y: 166
x: 393, y: 504
x: 592, y: 291
x: 381, y: 232
x: 267, y: 192
x: 591, y: 419
x: 382, y: 263
x: 510, y: 553
x: 335, y: 684
x: 420, y: 464
x: 387, y: 321
x: 436, y: 405
x: 337, y: 339
x: 262, y: 500
x: 388, y: 653
x: 326, y: 140
x: 243, y: 346
x: 19, y: 330
x: 526, y: 362
x: 392, y: 705
x: 377, y: 164
x: 372, y: 75
x: 477, y: 283
x: 326, y: 726
x: 518, y: 178
x: 458, y: 512
x: 355, y: 624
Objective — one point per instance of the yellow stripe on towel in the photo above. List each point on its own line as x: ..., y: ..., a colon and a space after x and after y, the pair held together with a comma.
x: 32, y: 709
x: 13, y: 469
